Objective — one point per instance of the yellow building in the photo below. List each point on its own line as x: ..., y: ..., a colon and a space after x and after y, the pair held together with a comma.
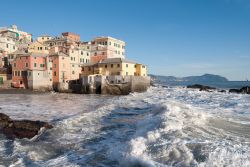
x: 115, y: 66
x: 38, y: 47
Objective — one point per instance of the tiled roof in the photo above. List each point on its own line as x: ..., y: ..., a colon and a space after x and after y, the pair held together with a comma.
x: 116, y: 60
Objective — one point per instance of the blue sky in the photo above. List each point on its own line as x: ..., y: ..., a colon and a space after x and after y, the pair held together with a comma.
x: 173, y: 37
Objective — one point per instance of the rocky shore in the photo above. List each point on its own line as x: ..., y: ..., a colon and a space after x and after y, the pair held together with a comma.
x: 21, y: 128
x: 243, y: 90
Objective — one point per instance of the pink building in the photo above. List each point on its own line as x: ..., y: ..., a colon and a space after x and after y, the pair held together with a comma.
x: 23, y: 65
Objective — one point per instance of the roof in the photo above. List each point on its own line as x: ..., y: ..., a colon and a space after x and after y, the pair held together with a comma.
x: 33, y: 54
x: 88, y: 64
x: 18, y: 52
x: 116, y: 60
x: 108, y: 37
x: 59, y: 54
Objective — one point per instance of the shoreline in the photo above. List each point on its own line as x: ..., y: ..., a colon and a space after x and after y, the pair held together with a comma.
x: 20, y: 91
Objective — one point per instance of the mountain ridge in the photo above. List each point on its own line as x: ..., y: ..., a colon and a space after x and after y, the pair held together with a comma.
x: 201, y: 78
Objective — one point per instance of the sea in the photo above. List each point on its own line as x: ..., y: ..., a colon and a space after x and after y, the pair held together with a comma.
x: 168, y: 125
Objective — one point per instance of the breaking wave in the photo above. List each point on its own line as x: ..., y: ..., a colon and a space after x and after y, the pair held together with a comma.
x: 161, y: 127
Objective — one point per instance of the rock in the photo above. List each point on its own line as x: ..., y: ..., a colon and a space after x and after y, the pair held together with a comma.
x: 245, y: 89
x: 222, y: 91
x: 201, y: 87
x: 234, y: 91
x: 21, y: 128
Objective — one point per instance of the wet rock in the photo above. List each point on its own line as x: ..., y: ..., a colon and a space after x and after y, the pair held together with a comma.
x: 201, y: 87
x: 222, y: 91
x: 234, y: 91
x: 245, y: 89
x: 21, y: 128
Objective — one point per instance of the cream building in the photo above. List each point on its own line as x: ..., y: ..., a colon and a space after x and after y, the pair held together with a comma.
x: 7, y: 44
x: 16, y: 34
x: 42, y: 39
x: 38, y: 47
x: 107, y: 47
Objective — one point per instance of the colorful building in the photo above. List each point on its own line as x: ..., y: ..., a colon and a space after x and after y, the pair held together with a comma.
x: 114, y: 66
x: 14, y: 33
x: 42, y: 39
x: 26, y: 66
x: 106, y: 47
x: 38, y: 47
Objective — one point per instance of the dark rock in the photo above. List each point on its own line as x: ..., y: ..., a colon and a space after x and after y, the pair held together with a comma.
x: 222, y: 91
x: 21, y: 128
x: 234, y: 91
x: 201, y: 87
x: 245, y: 89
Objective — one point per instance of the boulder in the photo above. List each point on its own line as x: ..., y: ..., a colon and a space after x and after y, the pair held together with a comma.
x: 201, y: 87
x: 245, y: 89
x: 234, y: 91
x: 21, y: 128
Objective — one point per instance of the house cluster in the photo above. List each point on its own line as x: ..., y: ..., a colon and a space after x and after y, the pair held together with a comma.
x: 48, y: 61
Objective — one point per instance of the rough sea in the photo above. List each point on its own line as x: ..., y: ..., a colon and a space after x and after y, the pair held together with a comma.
x: 165, y: 126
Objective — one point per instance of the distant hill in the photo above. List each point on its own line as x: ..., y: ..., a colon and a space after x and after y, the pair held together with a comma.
x: 202, y: 78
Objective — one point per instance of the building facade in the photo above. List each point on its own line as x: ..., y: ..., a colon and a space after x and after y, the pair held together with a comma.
x: 114, y: 66
x: 106, y: 47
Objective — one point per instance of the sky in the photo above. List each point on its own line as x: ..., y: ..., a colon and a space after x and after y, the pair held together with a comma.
x: 173, y: 37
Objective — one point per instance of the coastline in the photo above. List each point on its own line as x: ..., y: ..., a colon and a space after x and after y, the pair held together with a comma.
x: 20, y: 91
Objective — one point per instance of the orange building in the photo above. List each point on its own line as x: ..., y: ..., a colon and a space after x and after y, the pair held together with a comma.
x: 24, y: 63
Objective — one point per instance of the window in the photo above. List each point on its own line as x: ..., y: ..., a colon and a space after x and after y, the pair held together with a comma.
x: 103, y: 53
x: 143, y: 66
x: 38, y: 74
x: 54, y: 73
x: 135, y: 65
x: 26, y: 64
x: 127, y: 65
x: 89, y: 69
x: 112, y: 65
x: 50, y: 68
x: 18, y: 73
x: 87, y: 54
x: 81, y: 53
x: 34, y: 64
x: 73, y: 72
x: 15, y: 73
x: 7, y: 45
x: 54, y: 65
x: 83, y: 69
x: 14, y: 64
x: 109, y: 43
x: 73, y: 65
x: 71, y: 58
x: 41, y: 65
x: 118, y: 65
x: 127, y: 73
x: 106, y: 66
